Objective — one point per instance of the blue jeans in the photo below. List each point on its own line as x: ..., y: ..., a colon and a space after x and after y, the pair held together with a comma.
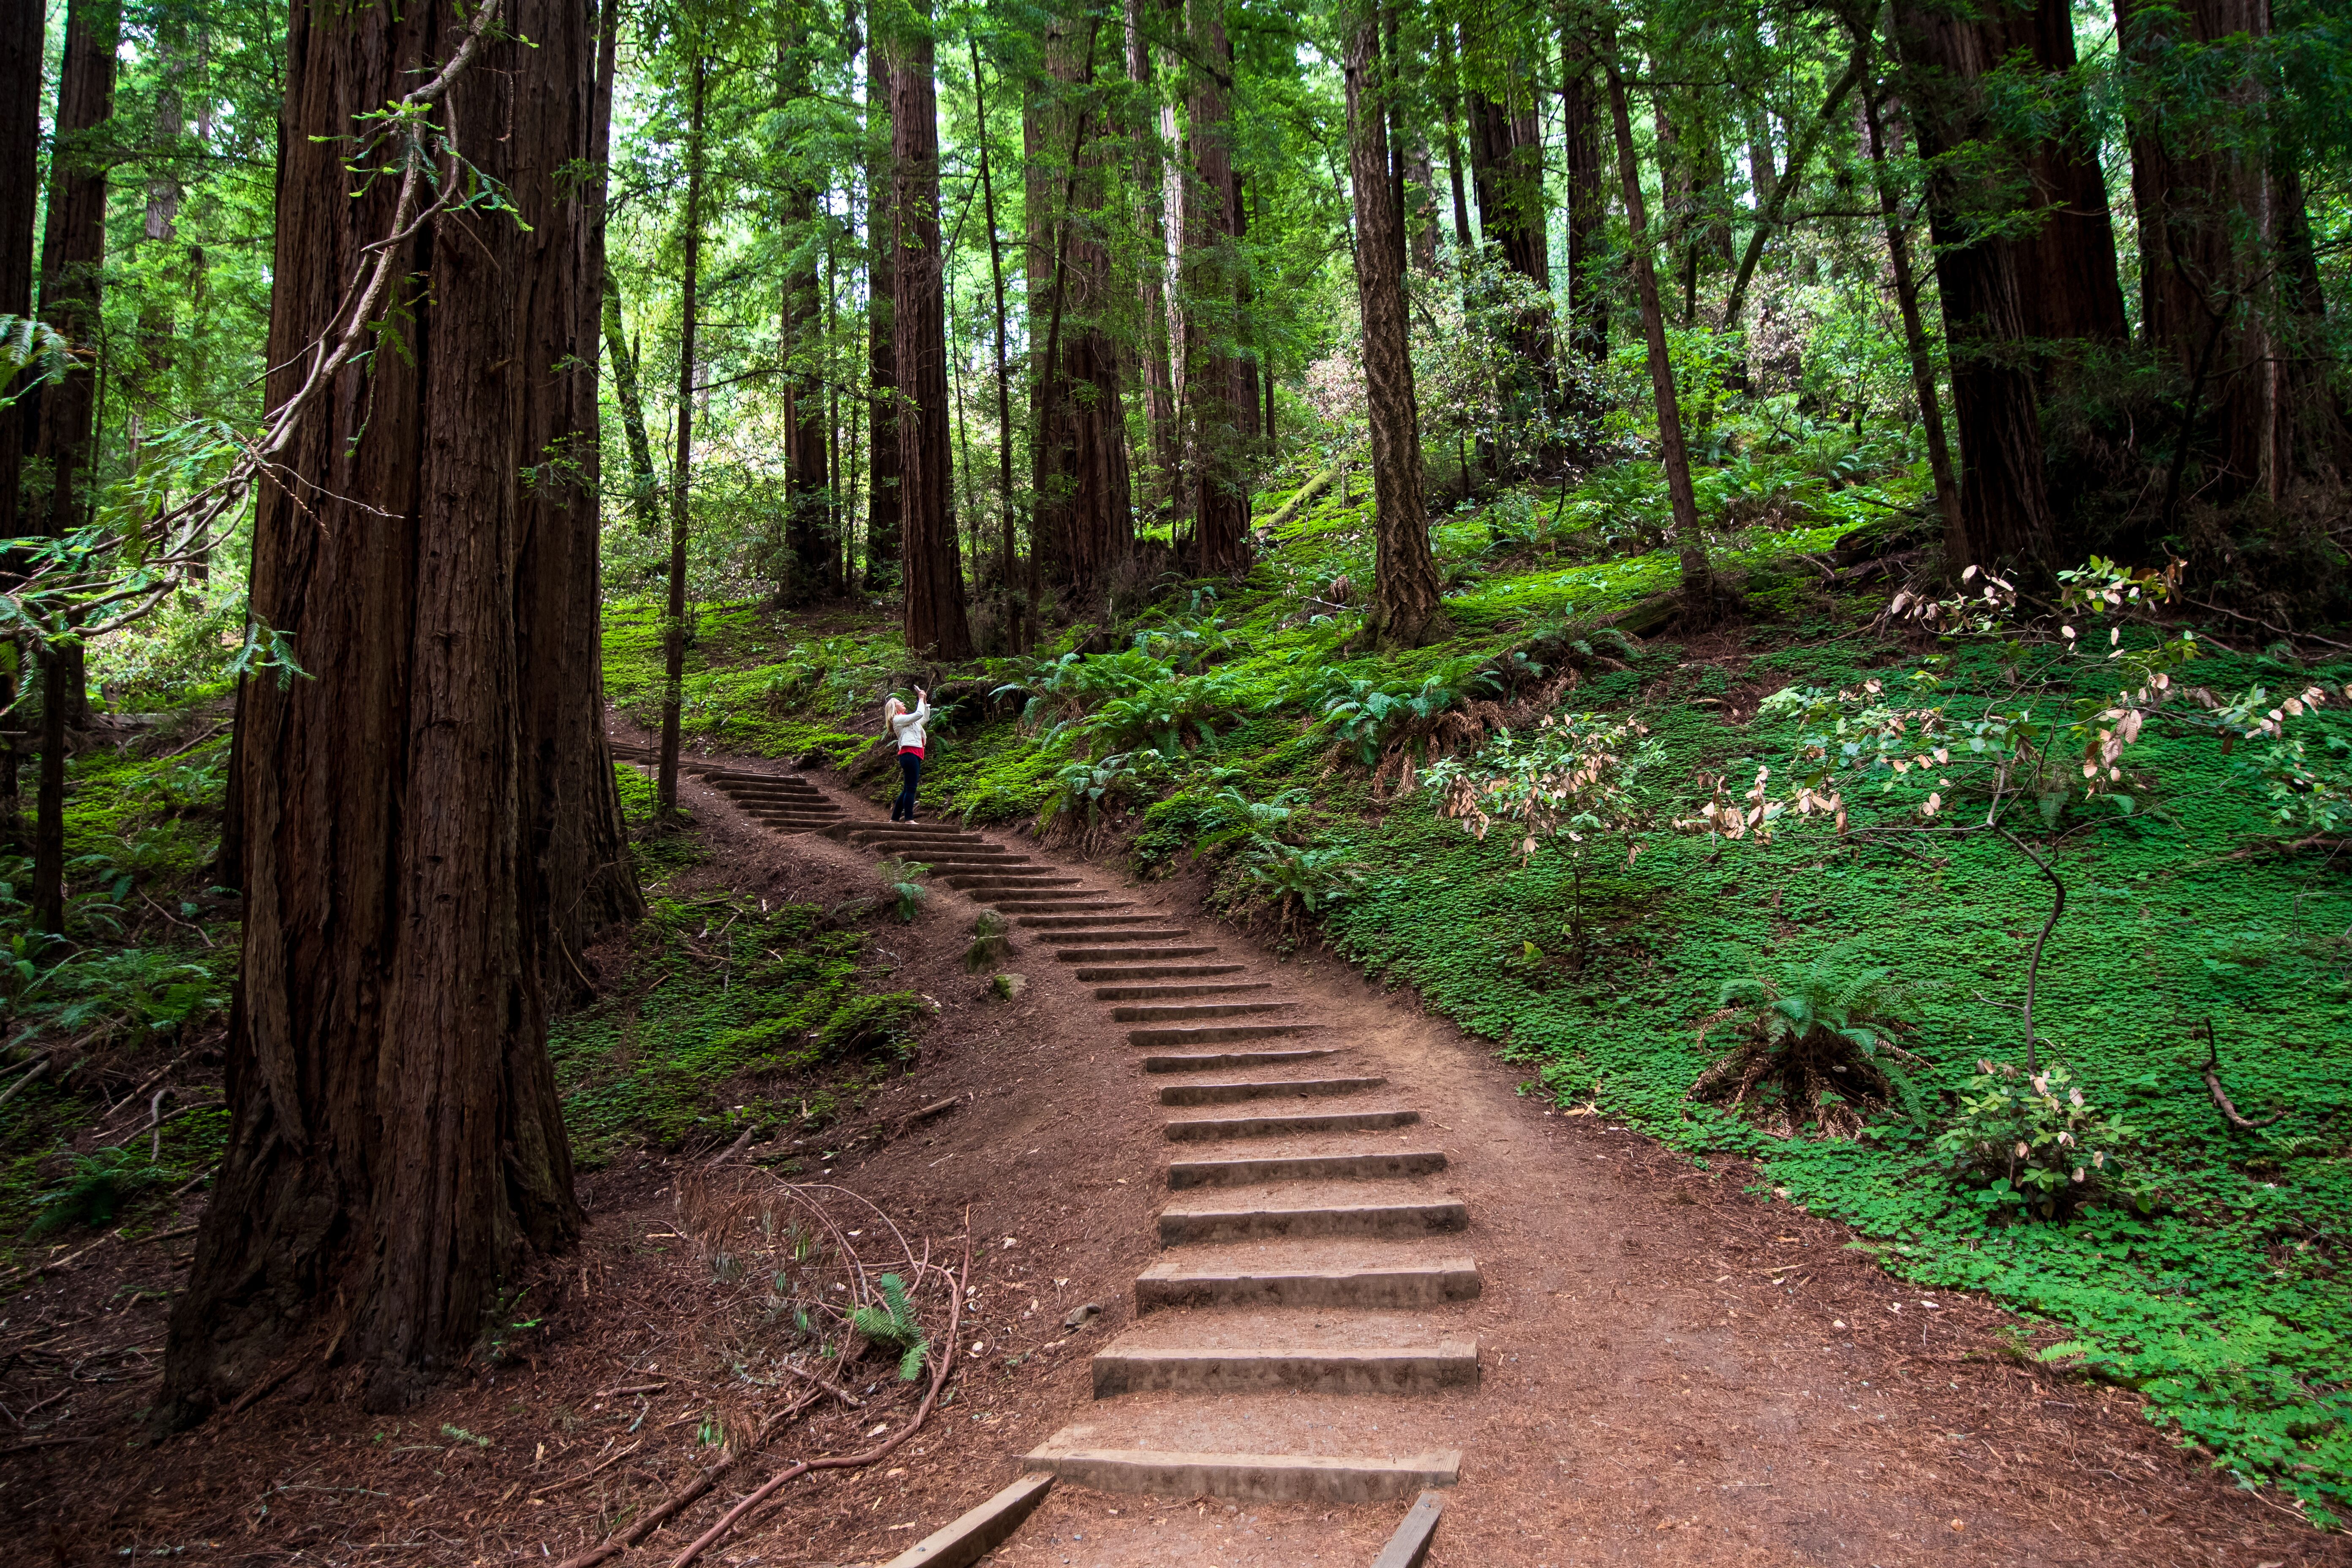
x: 910, y: 773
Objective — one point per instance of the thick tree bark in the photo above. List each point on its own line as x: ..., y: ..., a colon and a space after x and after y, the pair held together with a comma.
x: 1996, y: 315
x: 1219, y: 460
x: 1408, y: 601
x: 1588, y: 203
x: 644, y: 483
x: 884, y: 505
x: 21, y: 48
x: 681, y: 474
x: 2220, y: 281
x: 396, y: 1139
x: 933, y: 569
x: 1914, y: 338
x: 1152, y: 275
x: 808, y: 500
x: 1009, y: 565
x: 1081, y: 510
x: 1699, y: 577
x: 73, y: 261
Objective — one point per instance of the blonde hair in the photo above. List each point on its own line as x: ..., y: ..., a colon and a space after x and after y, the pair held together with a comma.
x: 891, y: 705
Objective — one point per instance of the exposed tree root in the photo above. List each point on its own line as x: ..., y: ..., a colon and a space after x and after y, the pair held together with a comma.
x: 2212, y: 1073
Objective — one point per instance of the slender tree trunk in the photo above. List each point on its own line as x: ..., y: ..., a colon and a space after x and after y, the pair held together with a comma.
x: 397, y: 1143
x: 808, y: 536
x: 933, y: 571
x: 1698, y: 578
x: 1150, y: 188
x: 682, y: 464
x: 1016, y: 636
x: 1408, y: 601
x: 644, y: 484
x: 22, y: 47
x: 1914, y: 338
x: 1769, y: 218
x: 1507, y: 157
x: 1449, y: 104
x: 884, y: 505
x: 1220, y: 479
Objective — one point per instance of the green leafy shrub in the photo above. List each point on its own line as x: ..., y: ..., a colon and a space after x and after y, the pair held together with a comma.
x: 893, y: 1324
x: 869, y: 1025
x: 1313, y: 880
x: 95, y: 1189
x: 1816, y: 1050
x: 2032, y: 1144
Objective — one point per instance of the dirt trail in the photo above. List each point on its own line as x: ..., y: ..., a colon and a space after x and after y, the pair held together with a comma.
x: 1672, y: 1370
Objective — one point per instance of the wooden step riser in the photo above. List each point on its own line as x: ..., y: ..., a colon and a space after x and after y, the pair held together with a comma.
x: 1160, y: 971
x: 1432, y: 1369
x: 1438, y: 1284
x: 1087, y: 924
x: 1219, y: 1034
x: 1170, y: 992
x: 1216, y: 1130
x: 1129, y: 954
x: 1379, y: 1221
x: 1367, y: 1167
x: 1248, y: 1477
x: 1232, y: 1062
x: 1087, y: 936
x: 1280, y: 1088
x: 1177, y: 1012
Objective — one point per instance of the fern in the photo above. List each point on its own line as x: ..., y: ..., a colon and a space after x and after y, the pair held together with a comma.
x: 901, y: 877
x: 894, y: 1324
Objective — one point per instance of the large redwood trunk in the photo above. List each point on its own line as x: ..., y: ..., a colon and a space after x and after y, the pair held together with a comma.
x: 1151, y: 272
x: 931, y: 567
x: 1588, y: 203
x: 1408, y: 601
x: 809, y: 531
x: 1082, y: 511
x: 1213, y: 393
x: 884, y: 505
x: 396, y: 1141
x: 1507, y: 162
x: 2222, y: 275
x: 21, y: 47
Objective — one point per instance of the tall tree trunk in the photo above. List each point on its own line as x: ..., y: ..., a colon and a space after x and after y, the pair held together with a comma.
x: 644, y: 483
x: 808, y: 510
x: 21, y: 48
x: 1450, y: 109
x: 1588, y: 203
x: 1985, y: 277
x: 1009, y: 566
x: 1698, y: 578
x: 1768, y: 217
x: 1915, y: 337
x: 73, y: 257
x: 1507, y: 158
x: 682, y: 463
x: 1151, y: 274
x: 935, y: 624
x: 1220, y: 458
x: 2219, y: 274
x: 396, y: 1142
x: 1407, y: 601
x: 1421, y: 202
x: 884, y: 505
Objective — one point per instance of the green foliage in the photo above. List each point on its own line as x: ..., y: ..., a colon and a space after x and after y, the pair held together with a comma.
x: 893, y: 1323
x: 2034, y: 1145
x: 903, y: 878
x: 1817, y: 1052
x: 870, y: 1025
x: 97, y: 1186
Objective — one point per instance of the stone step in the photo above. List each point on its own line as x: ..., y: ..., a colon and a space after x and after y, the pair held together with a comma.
x: 1270, y: 1088
x: 1378, y: 1369
x: 1085, y: 922
x: 1176, y: 1012
x: 1257, y: 1477
x: 1231, y: 1061
x: 1131, y: 955
x: 1436, y: 1283
x: 1219, y: 1034
x: 1362, y: 1166
x: 1160, y: 971
x: 1247, y: 1222
x: 1209, y: 1130
x: 1156, y: 993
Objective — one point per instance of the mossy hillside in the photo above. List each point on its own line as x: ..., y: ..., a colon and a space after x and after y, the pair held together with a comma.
x: 729, y: 1017
x: 744, y: 692
x: 2228, y: 1305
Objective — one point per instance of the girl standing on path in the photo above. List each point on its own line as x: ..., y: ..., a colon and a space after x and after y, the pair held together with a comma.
x: 907, y: 729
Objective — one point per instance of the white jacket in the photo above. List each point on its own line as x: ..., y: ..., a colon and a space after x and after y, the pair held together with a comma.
x: 908, y: 727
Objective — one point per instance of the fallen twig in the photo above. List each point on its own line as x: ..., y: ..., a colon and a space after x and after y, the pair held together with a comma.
x: 827, y: 1385
x: 586, y: 1474
x: 38, y: 1067
x: 2212, y: 1073
x: 614, y: 1545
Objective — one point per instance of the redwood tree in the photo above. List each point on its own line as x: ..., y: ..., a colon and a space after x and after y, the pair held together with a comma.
x: 1214, y: 397
x: 808, y: 500
x: 21, y: 47
x: 931, y: 567
x: 882, y: 502
x: 1408, y: 601
x: 409, y: 839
